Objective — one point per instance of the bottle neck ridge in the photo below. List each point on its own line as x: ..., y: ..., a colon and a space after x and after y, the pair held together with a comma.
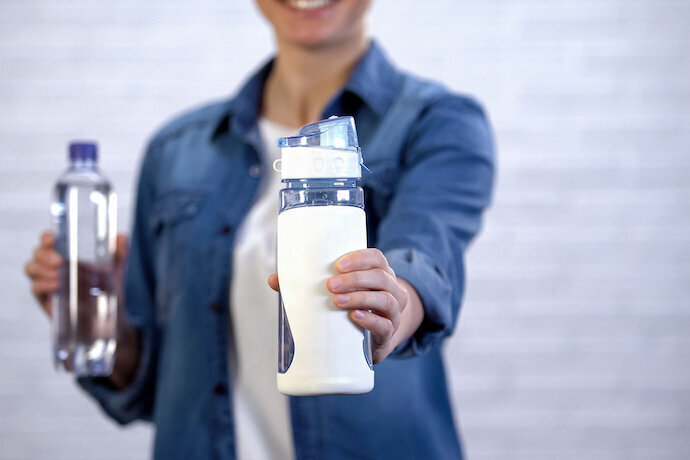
x: 83, y: 163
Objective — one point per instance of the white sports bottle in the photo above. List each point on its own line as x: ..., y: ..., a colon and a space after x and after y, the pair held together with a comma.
x: 321, y: 350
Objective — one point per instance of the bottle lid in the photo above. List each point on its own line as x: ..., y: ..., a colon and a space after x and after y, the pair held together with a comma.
x: 325, y: 149
x: 83, y: 150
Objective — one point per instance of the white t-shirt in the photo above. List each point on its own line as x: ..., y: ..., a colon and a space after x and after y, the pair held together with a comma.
x: 262, y: 416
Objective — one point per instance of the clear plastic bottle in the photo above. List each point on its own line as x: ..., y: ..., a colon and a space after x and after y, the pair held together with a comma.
x: 84, y: 315
x: 321, y: 350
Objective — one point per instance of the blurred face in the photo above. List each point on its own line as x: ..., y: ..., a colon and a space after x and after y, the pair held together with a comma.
x: 315, y: 23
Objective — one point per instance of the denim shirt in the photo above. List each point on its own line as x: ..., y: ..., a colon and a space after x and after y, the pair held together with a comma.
x: 432, y: 160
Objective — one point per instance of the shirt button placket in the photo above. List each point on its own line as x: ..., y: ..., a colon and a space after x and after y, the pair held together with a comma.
x: 219, y: 389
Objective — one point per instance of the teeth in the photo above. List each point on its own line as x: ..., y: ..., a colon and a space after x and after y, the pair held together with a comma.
x: 308, y: 4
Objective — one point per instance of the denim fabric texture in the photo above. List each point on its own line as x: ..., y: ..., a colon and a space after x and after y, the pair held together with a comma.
x: 431, y: 155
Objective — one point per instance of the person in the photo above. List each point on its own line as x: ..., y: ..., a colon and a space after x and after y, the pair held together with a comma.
x: 197, y: 347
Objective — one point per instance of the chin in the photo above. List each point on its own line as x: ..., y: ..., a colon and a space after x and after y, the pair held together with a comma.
x: 312, y: 39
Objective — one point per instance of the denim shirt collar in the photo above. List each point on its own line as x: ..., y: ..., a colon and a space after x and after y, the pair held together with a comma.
x: 374, y: 81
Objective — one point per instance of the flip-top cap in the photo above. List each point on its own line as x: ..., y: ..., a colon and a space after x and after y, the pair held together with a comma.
x: 325, y: 149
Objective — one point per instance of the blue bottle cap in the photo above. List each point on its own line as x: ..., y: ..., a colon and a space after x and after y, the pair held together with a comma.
x: 83, y: 150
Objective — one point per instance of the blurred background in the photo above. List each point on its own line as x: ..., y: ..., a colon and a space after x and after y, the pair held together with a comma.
x: 574, y: 339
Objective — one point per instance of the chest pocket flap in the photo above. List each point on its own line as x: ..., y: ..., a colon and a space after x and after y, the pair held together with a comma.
x: 175, y: 206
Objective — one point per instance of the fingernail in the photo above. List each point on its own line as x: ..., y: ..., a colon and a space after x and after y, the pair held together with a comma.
x: 344, y: 264
x: 359, y: 314
x: 342, y: 299
x: 335, y: 283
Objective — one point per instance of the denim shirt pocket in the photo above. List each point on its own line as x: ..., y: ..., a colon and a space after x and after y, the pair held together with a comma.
x: 171, y: 223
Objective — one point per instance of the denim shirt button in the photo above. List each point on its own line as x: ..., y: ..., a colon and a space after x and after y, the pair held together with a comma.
x: 255, y: 170
x: 226, y: 229
x: 215, y: 307
x: 219, y: 389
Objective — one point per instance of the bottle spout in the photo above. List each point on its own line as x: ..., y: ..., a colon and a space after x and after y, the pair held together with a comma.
x: 333, y: 133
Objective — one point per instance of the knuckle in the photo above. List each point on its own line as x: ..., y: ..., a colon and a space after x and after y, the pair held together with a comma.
x: 390, y: 302
x: 392, y: 272
x: 389, y: 329
x: 383, y: 261
x: 404, y: 298
x: 390, y: 280
x: 356, y: 278
x: 378, y: 255
x: 381, y: 277
x: 395, y: 321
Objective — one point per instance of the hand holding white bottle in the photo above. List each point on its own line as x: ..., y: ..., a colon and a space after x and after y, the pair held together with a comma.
x: 325, y: 260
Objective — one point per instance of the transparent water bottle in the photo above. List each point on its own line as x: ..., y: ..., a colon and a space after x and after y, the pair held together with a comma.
x: 84, y: 309
x: 321, y: 350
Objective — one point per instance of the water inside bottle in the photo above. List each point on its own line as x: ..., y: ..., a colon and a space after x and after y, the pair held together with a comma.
x: 85, y: 307
x: 86, y: 319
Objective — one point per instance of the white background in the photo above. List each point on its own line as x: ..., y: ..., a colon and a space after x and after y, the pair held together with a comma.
x: 574, y: 338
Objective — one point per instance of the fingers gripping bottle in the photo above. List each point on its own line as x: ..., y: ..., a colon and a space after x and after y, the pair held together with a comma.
x: 84, y: 314
x: 321, y: 350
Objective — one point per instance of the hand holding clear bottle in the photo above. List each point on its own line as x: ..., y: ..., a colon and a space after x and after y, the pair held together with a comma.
x: 43, y: 271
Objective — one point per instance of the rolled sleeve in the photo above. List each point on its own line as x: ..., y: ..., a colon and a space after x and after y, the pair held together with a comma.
x: 134, y: 401
x: 435, y: 293
x: 444, y: 187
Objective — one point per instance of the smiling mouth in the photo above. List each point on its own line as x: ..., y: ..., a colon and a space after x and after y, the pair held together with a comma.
x: 306, y: 5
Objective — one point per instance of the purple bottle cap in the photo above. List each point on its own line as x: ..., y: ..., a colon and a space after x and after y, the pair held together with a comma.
x: 83, y: 150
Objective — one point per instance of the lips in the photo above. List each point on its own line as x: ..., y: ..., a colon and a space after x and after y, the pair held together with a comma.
x: 308, y: 5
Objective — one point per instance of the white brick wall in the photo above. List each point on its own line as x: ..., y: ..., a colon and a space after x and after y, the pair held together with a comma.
x: 574, y: 337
